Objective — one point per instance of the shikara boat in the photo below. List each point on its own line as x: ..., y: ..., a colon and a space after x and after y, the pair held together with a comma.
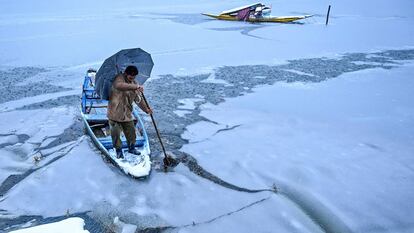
x: 269, y: 19
x: 93, y: 112
x: 257, y: 12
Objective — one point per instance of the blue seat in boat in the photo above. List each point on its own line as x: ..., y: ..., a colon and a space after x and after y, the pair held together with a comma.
x: 96, y: 118
x: 96, y: 103
x: 90, y: 93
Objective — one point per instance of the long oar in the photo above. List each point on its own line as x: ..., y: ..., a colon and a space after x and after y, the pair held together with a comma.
x: 168, y: 160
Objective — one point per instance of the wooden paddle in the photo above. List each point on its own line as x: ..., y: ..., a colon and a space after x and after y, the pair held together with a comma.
x: 168, y: 160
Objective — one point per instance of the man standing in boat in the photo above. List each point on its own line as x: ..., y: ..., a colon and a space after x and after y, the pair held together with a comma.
x: 124, y: 92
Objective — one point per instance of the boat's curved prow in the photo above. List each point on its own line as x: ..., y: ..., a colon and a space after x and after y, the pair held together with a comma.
x: 210, y: 15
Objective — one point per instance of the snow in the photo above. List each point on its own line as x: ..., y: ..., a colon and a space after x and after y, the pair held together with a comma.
x: 356, y: 157
x: 212, y: 79
x: 338, y: 151
x: 181, y: 113
x: 124, y: 227
x: 70, y: 225
x: 76, y: 174
x: 129, y: 165
x: 202, y: 130
x: 302, y: 73
x: 33, y: 126
x: 188, y: 103
x: 12, y: 105
x: 354, y: 27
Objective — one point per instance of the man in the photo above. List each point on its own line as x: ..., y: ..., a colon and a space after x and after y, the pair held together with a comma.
x: 125, y: 91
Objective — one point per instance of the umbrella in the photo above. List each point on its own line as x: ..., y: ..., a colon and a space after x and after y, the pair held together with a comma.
x: 117, y: 63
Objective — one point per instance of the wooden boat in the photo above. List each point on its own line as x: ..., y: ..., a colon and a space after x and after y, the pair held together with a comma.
x: 256, y: 12
x: 93, y: 111
x: 269, y: 19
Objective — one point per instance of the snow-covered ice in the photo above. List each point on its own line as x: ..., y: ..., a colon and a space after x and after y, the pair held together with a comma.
x: 188, y: 103
x: 347, y: 141
x: 334, y: 141
x: 70, y: 225
x: 140, y: 167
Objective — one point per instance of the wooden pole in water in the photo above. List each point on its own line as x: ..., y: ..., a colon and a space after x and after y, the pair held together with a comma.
x: 327, y: 15
x: 168, y: 160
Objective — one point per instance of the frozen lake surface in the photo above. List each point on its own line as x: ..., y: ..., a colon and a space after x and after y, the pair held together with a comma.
x: 277, y: 127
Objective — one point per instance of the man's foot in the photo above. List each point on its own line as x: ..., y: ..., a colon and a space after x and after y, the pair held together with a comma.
x: 132, y: 150
x: 119, y: 154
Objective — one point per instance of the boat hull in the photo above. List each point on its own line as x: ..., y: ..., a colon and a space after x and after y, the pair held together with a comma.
x: 270, y: 19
